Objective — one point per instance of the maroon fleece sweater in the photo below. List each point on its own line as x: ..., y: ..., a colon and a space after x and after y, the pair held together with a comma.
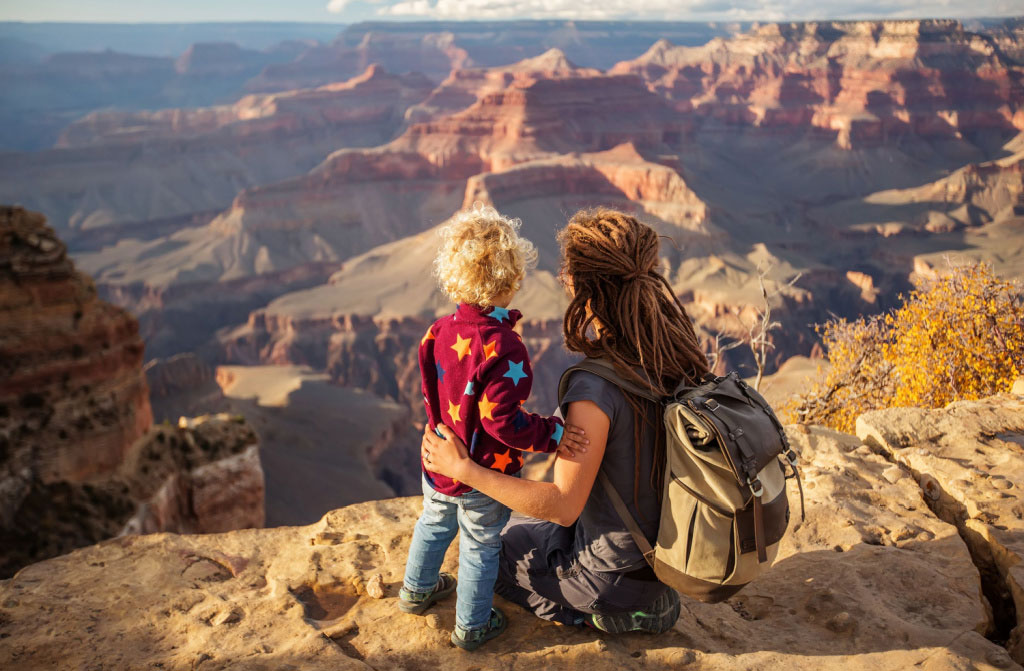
x: 476, y: 374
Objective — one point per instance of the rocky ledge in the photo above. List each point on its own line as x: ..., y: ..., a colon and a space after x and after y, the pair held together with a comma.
x: 877, y: 577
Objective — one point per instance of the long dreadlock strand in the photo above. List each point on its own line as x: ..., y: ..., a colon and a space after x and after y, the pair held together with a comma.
x: 611, y: 262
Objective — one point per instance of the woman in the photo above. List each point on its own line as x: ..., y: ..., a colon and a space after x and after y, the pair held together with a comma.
x: 574, y: 562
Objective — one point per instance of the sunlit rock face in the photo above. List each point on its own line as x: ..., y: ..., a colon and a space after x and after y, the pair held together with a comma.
x: 866, y: 82
x: 875, y: 578
x: 79, y: 458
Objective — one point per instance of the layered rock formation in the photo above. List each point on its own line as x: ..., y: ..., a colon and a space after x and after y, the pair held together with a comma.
x: 863, y: 82
x: 73, y: 395
x: 79, y: 460
x: 438, y: 48
x: 464, y: 86
x: 872, y: 580
x: 143, y: 172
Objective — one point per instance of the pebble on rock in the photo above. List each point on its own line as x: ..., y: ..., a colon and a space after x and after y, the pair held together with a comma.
x: 375, y: 586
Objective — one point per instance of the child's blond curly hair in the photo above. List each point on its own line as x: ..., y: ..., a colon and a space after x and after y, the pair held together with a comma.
x: 482, y: 256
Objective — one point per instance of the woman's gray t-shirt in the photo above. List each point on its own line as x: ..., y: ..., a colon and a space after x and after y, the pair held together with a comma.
x: 602, y: 541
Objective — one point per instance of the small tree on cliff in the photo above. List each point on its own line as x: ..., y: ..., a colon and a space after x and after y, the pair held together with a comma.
x: 956, y: 337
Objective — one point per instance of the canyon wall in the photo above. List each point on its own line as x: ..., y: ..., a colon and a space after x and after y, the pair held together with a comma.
x: 79, y: 458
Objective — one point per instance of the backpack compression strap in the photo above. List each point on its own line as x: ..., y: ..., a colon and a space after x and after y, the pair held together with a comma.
x: 606, y: 371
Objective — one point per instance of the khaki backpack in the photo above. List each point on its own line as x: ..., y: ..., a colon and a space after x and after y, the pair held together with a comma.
x: 724, y: 505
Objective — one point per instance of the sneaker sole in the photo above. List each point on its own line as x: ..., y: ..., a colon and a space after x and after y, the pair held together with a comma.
x: 666, y: 613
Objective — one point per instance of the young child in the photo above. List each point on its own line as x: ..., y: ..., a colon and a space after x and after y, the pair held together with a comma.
x: 476, y: 375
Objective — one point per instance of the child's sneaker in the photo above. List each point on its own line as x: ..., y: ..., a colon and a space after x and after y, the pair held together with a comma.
x: 410, y: 602
x: 657, y: 619
x: 473, y: 639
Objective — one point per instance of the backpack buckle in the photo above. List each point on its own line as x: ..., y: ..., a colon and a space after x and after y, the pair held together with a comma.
x: 711, y: 404
x: 791, y: 458
x: 756, y: 488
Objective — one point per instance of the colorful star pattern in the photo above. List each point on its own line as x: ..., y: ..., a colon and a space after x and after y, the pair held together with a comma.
x: 486, y: 408
x: 515, y: 372
x: 557, y: 434
x: 499, y: 313
x: 454, y: 410
x: 501, y: 461
x: 498, y: 432
x: 462, y: 346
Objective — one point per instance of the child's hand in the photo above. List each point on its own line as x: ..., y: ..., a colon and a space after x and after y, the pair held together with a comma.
x: 574, y: 440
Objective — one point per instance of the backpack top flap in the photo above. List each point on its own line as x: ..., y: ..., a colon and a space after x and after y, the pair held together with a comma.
x: 748, y: 432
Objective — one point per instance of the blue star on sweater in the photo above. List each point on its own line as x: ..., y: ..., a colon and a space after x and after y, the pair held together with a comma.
x: 515, y: 372
x: 556, y: 435
x: 499, y: 313
x: 469, y: 389
x: 519, y: 421
x: 440, y: 372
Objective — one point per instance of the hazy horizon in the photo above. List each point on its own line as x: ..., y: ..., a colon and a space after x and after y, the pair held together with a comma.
x: 353, y: 11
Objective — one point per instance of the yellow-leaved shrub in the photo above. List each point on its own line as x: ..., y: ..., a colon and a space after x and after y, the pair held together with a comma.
x: 956, y: 337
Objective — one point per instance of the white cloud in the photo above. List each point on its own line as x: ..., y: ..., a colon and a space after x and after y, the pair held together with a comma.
x: 681, y: 10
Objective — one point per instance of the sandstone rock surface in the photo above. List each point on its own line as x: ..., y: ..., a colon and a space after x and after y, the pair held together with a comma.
x: 872, y: 580
x: 969, y: 460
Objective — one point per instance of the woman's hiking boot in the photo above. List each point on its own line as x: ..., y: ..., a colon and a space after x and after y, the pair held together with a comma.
x: 410, y: 602
x: 474, y: 638
x: 657, y: 618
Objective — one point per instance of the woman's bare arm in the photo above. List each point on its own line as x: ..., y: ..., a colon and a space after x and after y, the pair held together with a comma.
x: 560, y: 501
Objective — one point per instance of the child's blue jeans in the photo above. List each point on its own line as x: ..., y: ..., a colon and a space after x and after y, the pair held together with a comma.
x: 480, y: 519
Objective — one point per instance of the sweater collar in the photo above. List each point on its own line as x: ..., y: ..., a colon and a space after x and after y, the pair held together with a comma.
x: 487, y: 315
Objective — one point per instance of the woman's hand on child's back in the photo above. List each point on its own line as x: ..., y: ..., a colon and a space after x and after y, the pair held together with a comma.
x: 445, y: 454
x: 574, y: 440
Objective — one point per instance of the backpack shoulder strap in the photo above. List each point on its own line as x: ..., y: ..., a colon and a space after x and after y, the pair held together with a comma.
x: 605, y: 371
x: 634, y: 529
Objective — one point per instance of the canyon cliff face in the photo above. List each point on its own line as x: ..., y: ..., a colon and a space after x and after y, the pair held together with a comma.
x: 866, y: 83
x: 79, y: 458
x: 116, y: 174
x: 73, y: 397
x: 907, y: 558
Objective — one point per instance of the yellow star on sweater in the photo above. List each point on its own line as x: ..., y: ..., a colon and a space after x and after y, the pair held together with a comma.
x: 461, y: 346
x: 429, y: 335
x: 454, y: 410
x: 486, y: 407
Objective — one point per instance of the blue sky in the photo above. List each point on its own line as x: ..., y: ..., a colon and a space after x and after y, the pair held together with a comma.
x: 348, y: 11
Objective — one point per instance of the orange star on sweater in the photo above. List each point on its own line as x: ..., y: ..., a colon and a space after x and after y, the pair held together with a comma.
x: 501, y: 461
